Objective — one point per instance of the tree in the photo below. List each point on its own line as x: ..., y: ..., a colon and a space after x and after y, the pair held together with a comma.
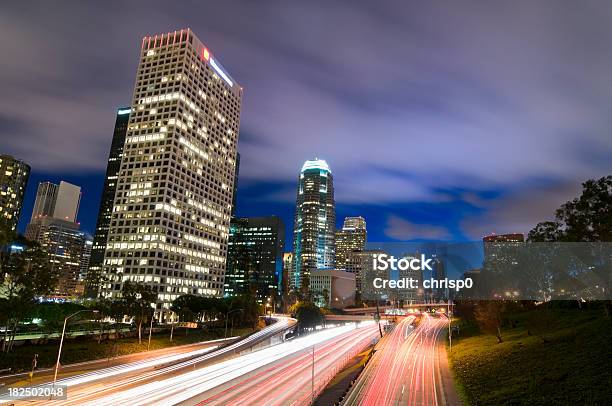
x: 138, y: 299
x: 586, y: 218
x: 307, y: 314
x: 488, y: 315
x: 25, y: 274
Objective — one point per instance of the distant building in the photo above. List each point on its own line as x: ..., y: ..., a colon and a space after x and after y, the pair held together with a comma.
x: 351, y: 238
x: 53, y: 225
x: 255, y: 256
x: 438, y: 273
x: 501, y: 246
x: 514, y: 237
x: 408, y: 295
x: 287, y: 272
x: 366, y: 277
x: 14, y: 175
x: 93, y: 274
x: 64, y: 244
x: 315, y: 220
x: 58, y: 201
x: 333, y: 288
x: 85, y: 261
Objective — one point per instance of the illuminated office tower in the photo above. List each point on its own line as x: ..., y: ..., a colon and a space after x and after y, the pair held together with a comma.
x: 53, y: 225
x: 171, y: 212
x: 91, y: 276
x: 255, y: 257
x: 315, y: 223
x: 351, y: 238
x: 14, y: 176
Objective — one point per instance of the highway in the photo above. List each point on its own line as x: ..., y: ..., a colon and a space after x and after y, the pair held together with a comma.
x: 406, y: 369
x: 213, y: 383
x: 90, y: 386
x: 142, y: 360
x: 290, y: 381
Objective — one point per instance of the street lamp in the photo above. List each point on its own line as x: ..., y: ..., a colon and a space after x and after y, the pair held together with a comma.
x: 227, y: 316
x: 59, y: 353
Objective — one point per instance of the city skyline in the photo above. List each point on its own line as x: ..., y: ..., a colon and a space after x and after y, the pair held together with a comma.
x: 452, y: 191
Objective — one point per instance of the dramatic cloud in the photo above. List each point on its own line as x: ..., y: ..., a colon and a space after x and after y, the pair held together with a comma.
x: 520, y: 212
x: 404, y: 100
x: 403, y: 230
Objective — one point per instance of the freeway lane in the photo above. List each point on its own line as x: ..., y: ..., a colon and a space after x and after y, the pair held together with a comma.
x: 406, y: 369
x: 289, y: 381
x: 86, y: 387
x: 152, y: 357
x: 188, y: 386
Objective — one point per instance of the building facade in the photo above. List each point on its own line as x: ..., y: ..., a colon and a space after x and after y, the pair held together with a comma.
x: 333, y: 288
x: 255, y: 257
x: 171, y: 212
x: 58, y: 201
x: 315, y: 223
x: 351, y: 238
x: 93, y: 273
x: 54, y: 226
x: 14, y: 175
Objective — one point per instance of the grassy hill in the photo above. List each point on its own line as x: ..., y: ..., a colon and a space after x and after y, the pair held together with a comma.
x: 567, y: 359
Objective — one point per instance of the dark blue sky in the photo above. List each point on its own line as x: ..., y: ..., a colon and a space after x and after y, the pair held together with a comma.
x: 440, y: 121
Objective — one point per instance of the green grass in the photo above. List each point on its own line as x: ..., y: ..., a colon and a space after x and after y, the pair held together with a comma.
x: 573, y: 367
x: 87, y: 349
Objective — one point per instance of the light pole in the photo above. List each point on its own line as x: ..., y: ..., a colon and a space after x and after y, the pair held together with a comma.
x: 227, y: 316
x: 59, y: 353
x: 312, y: 390
x: 150, y: 329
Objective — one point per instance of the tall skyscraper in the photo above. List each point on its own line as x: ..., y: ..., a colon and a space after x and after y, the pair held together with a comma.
x: 351, y: 238
x: 53, y: 225
x: 315, y: 222
x: 171, y: 212
x: 58, y: 201
x: 255, y: 256
x: 93, y: 273
x: 236, y: 173
x: 53, y: 202
x: 14, y: 175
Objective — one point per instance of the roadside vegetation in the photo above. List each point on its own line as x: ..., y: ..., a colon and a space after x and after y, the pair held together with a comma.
x: 556, y: 353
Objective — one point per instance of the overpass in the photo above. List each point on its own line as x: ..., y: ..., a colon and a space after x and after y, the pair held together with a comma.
x: 416, y: 306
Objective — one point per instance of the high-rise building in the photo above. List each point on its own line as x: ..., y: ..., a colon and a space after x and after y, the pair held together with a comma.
x: 367, y: 274
x: 14, y: 175
x: 85, y: 258
x: 53, y: 225
x: 171, y: 212
x: 235, y: 195
x: 315, y: 222
x: 58, y: 201
x: 92, y: 275
x: 53, y: 202
x: 255, y: 256
x: 351, y: 238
